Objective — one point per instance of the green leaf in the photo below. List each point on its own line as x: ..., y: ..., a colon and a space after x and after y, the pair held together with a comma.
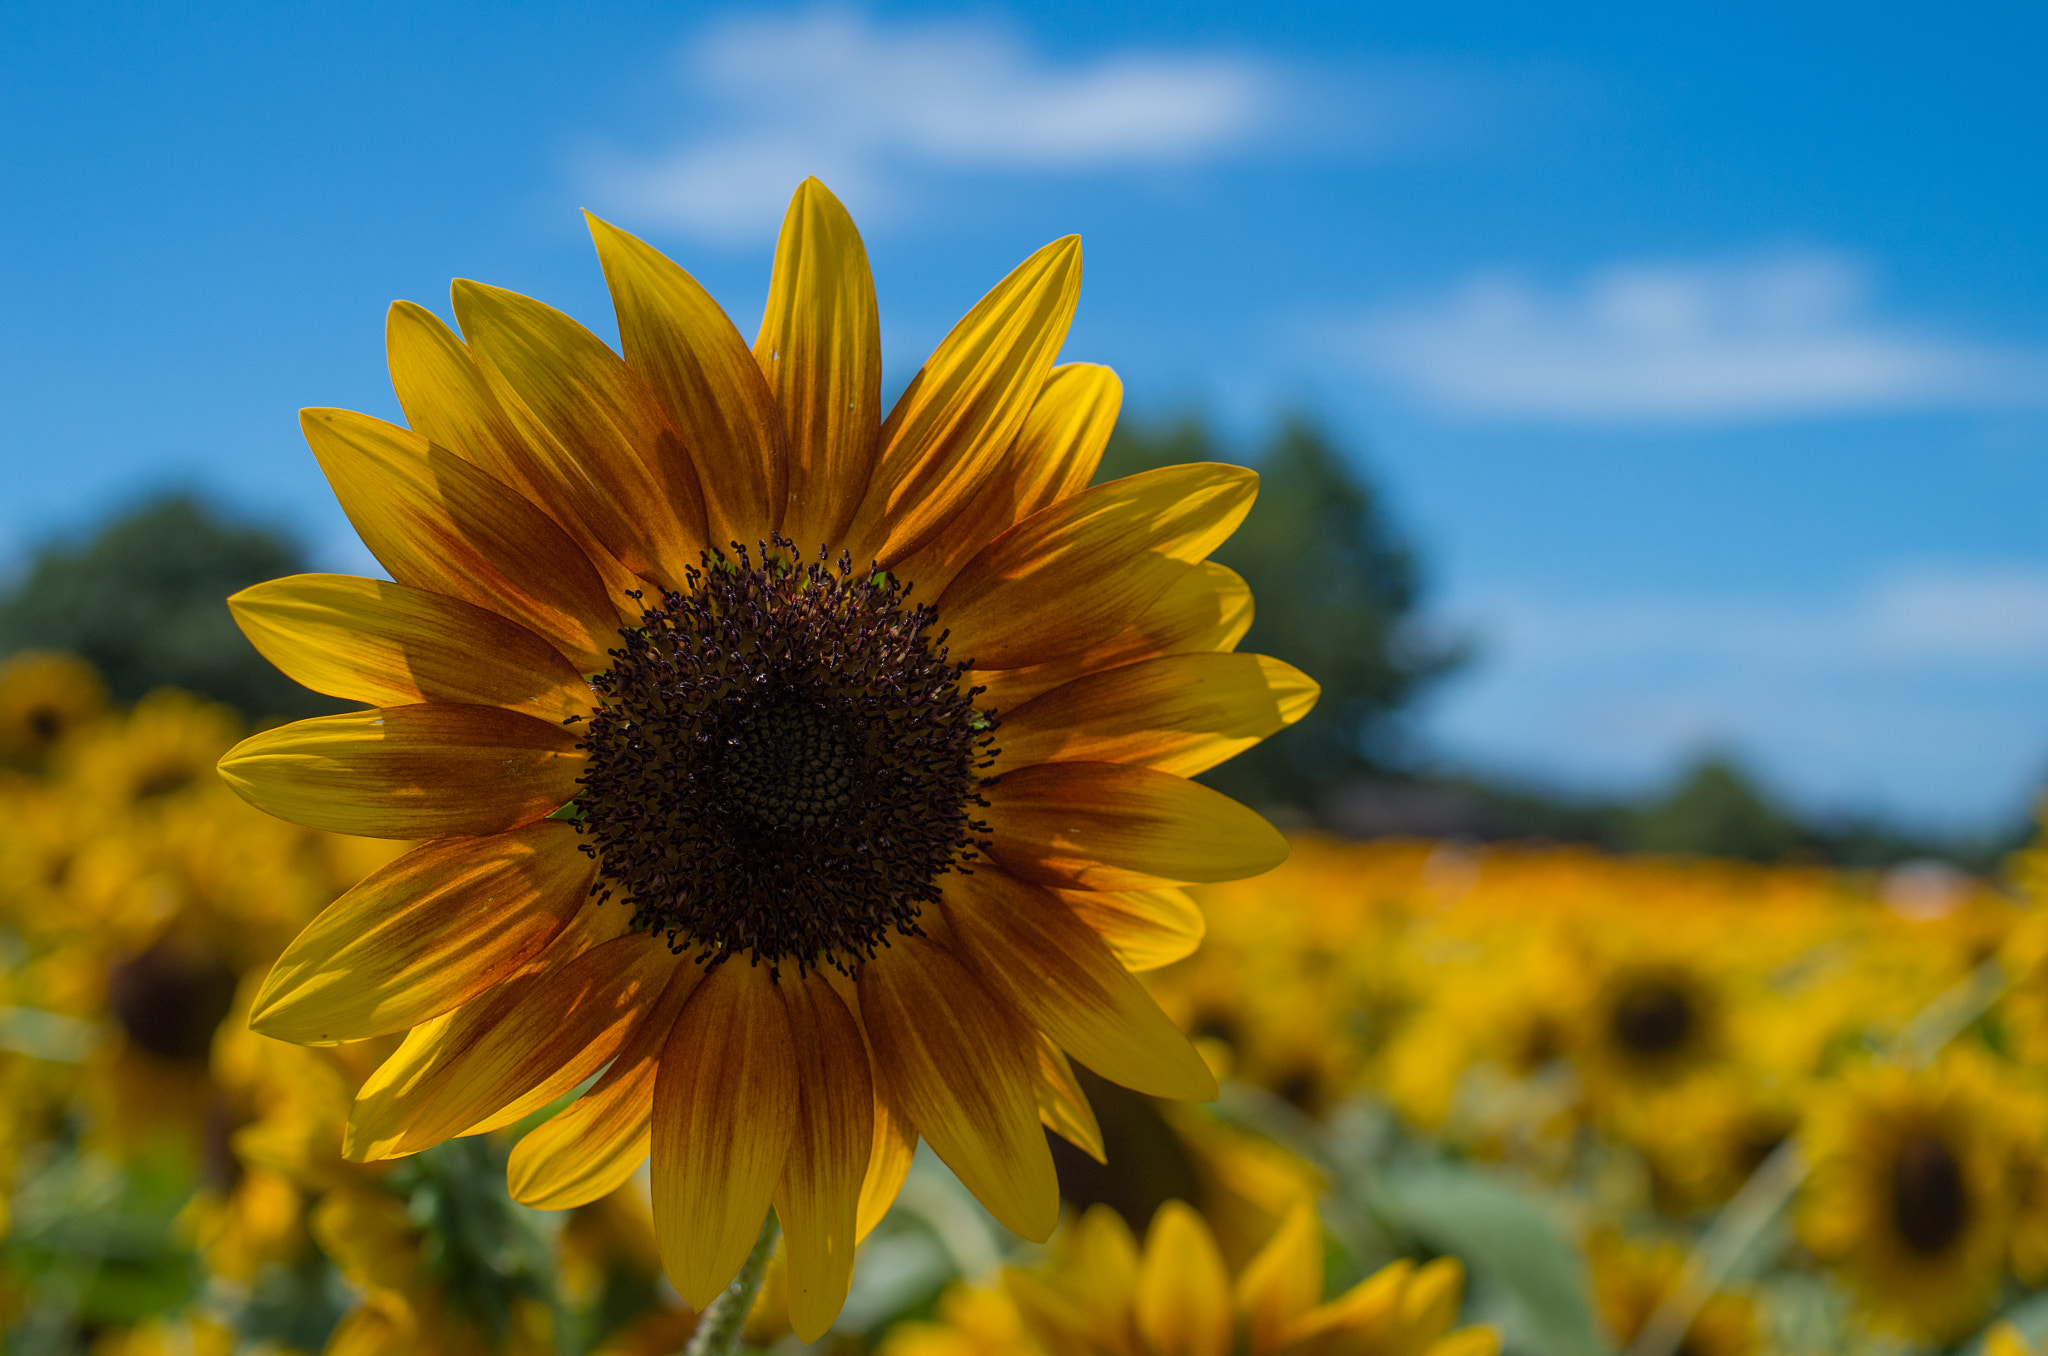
x: 1526, y: 1273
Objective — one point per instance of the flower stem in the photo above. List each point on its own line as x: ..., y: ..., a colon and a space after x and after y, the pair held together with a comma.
x: 725, y: 1318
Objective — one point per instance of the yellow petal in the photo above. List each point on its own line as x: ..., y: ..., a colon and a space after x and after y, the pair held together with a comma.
x: 445, y: 396
x: 514, y: 1050
x: 1429, y: 1304
x: 1104, y: 826
x: 683, y: 343
x: 599, y: 1140
x: 429, y: 771
x: 895, y: 1146
x: 1062, y: 1106
x: 1285, y: 1279
x: 819, y: 1197
x: 1059, y: 1324
x: 1486, y: 1342
x: 962, y: 1065
x: 599, y: 453
x: 1206, y: 610
x: 384, y: 644
x: 424, y: 935
x: 1072, y: 576
x: 1183, y: 1300
x: 438, y: 523
x: 1062, y: 440
x: 1363, y: 1318
x: 725, y: 1110
x: 1146, y: 928
x: 820, y: 347
x: 957, y: 418
x: 1032, y: 952
x: 1053, y: 455
x: 1102, y: 1273
x: 1180, y: 713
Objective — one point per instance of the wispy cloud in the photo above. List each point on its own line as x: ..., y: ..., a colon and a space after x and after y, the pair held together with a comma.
x: 860, y: 103
x: 1924, y: 691
x: 1683, y: 342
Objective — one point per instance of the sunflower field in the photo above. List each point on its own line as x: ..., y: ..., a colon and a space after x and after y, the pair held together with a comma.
x: 1534, y: 1099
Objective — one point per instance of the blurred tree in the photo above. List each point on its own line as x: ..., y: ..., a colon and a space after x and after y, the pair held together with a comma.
x: 1335, y: 589
x: 144, y: 599
x: 1716, y: 811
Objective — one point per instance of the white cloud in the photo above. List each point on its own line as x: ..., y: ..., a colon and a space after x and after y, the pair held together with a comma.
x: 833, y: 93
x: 1680, y: 342
x: 1924, y: 692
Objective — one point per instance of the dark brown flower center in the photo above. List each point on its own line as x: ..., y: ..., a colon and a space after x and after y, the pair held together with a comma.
x: 783, y: 763
x: 170, y: 998
x: 1929, y: 1202
x: 1652, y: 1017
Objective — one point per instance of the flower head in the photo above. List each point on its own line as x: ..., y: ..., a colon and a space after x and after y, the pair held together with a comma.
x: 809, y: 775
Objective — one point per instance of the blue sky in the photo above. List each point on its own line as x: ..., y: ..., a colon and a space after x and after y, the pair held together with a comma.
x: 1703, y: 350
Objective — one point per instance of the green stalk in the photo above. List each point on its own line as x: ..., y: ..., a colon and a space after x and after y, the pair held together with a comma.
x: 720, y: 1325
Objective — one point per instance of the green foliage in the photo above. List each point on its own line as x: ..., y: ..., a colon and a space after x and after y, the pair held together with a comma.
x: 98, y: 1246
x: 1336, y: 591
x: 144, y: 598
x: 1716, y: 811
x: 1527, y: 1276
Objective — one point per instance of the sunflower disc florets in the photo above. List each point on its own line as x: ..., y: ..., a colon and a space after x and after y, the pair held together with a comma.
x: 783, y: 762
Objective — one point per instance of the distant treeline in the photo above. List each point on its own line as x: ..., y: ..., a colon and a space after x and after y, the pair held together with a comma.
x: 1338, y: 591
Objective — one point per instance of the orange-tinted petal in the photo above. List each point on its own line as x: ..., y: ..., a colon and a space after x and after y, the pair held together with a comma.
x: 820, y: 347
x: 683, y: 343
x: 1183, y: 1300
x: 1053, y: 455
x: 599, y: 453
x: 957, y: 418
x: 430, y: 771
x: 1072, y: 576
x: 819, y: 1197
x: 895, y: 1146
x: 445, y: 396
x: 514, y: 1050
x: 1180, y: 713
x: 385, y: 644
x: 1105, y: 826
x: 595, y: 1143
x: 1146, y: 928
x: 725, y: 1111
x: 1062, y: 1105
x: 1063, y: 437
x: 1027, y: 946
x: 438, y: 523
x: 1206, y: 610
x: 962, y: 1064
x: 424, y: 935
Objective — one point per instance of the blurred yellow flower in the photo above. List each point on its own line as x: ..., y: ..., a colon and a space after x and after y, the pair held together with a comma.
x: 1910, y: 1196
x: 45, y: 698
x: 1100, y: 1295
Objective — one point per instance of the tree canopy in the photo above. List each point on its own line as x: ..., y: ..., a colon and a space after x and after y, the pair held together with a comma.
x: 1335, y: 587
x: 144, y: 598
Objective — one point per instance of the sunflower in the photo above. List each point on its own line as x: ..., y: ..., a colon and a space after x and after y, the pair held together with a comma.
x: 1651, y: 1019
x: 44, y: 696
x: 1911, y: 1193
x: 1630, y: 1281
x: 808, y: 774
x: 1102, y: 1295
